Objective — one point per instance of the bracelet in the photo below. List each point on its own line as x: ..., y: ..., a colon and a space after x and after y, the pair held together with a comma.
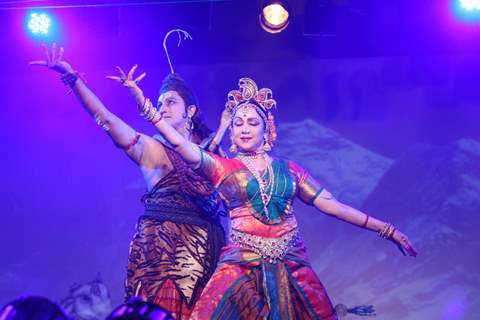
x: 131, y: 144
x: 366, y: 221
x: 101, y: 123
x: 148, y: 111
x: 160, y: 117
x: 387, y: 231
x: 69, y: 78
x: 142, y: 109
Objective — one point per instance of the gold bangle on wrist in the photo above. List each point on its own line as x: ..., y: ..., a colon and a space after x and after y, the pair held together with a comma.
x: 387, y: 231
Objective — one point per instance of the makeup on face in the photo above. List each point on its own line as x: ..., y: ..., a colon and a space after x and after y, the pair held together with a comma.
x: 248, y: 128
x: 173, y: 107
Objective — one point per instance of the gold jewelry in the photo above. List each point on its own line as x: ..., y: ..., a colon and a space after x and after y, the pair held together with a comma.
x: 387, y: 231
x: 148, y: 111
x: 101, y: 123
x: 266, y: 146
x: 261, y: 99
x: 271, y: 249
x: 233, y: 148
x: 252, y: 154
x: 263, y: 184
x: 158, y: 117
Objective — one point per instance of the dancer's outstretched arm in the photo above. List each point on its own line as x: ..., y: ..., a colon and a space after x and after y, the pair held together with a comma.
x: 124, y: 136
x: 189, y: 151
x: 329, y: 205
x: 128, y: 81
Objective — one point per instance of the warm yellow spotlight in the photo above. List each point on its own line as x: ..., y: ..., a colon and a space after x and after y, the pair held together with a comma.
x: 274, y: 16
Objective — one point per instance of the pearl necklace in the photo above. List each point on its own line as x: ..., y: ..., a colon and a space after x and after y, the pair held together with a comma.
x: 262, y: 183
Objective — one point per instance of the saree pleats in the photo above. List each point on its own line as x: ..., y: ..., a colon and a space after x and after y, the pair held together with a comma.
x: 244, y: 286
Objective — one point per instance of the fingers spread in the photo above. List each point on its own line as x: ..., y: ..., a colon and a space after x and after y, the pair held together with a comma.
x: 47, y: 54
x: 132, y: 70
x: 54, y: 52
x: 60, y: 54
x: 38, y: 63
x: 122, y: 74
x: 118, y: 79
x: 140, y: 77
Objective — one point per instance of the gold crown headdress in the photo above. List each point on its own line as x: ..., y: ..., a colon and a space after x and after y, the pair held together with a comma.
x: 262, y: 100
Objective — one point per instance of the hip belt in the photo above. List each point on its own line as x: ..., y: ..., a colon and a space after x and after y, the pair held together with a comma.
x: 272, y: 249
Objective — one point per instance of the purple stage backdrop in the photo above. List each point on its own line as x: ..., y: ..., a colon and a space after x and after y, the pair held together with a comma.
x: 388, y: 122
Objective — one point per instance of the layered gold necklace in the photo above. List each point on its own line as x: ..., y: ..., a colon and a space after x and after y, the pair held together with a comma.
x: 265, y: 181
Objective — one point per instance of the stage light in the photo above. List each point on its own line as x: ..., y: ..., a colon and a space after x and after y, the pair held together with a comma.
x: 467, y: 11
x: 39, y: 23
x: 274, y: 16
x: 470, y: 5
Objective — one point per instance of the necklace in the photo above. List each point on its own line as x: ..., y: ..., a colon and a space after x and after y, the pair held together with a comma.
x: 265, y: 184
x: 252, y: 154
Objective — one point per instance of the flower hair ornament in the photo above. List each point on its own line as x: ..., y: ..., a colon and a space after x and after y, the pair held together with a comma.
x: 250, y: 96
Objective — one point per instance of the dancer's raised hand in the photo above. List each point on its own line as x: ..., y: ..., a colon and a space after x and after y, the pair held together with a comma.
x: 226, y: 118
x: 128, y: 81
x: 53, y: 59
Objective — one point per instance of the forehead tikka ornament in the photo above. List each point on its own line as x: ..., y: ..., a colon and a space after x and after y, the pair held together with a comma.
x: 250, y: 96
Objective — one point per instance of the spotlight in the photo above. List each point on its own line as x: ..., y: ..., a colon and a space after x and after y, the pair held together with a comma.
x: 274, y: 16
x: 39, y: 23
x: 467, y: 11
x: 470, y: 5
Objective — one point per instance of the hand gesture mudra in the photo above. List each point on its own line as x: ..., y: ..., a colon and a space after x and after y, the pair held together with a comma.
x: 53, y: 59
x: 226, y: 117
x: 127, y: 79
x: 403, y: 244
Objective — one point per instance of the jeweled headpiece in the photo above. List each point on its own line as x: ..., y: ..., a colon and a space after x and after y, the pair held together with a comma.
x: 261, y: 100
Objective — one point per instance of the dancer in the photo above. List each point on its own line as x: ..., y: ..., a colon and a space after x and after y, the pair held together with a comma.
x: 264, y: 271
x: 178, y: 238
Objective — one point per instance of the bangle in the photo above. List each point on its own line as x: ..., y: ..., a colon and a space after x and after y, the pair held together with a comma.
x: 101, y: 123
x: 148, y: 111
x: 366, y: 221
x: 69, y: 78
x: 142, y: 109
x: 160, y: 117
x: 387, y: 231
x: 133, y: 142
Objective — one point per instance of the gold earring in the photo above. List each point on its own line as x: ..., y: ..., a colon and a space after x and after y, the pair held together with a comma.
x: 233, y: 148
x: 266, y: 146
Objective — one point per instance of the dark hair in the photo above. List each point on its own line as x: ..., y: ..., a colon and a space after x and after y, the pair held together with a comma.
x: 136, y: 309
x: 28, y: 308
x: 173, y: 82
